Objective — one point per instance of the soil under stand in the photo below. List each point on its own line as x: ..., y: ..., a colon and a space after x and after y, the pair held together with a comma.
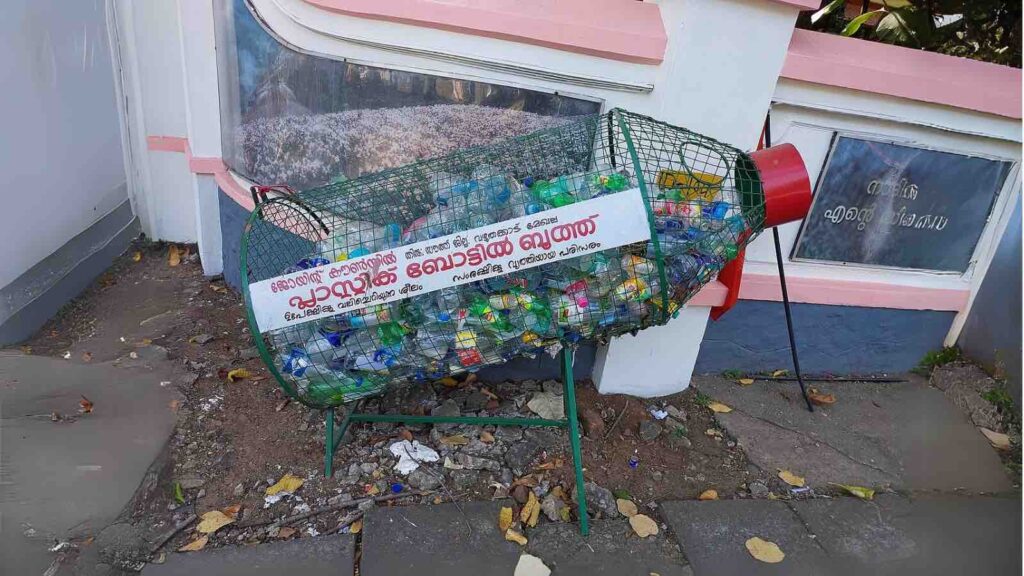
x: 235, y: 439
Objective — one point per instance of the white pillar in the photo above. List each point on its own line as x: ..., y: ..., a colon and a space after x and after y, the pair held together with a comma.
x: 723, y: 61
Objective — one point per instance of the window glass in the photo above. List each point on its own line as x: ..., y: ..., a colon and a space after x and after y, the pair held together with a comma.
x: 289, y: 117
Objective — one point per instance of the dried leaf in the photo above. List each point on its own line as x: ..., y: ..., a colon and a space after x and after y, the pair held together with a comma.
x: 238, y: 374
x: 449, y: 381
x: 746, y: 381
x: 286, y: 532
x: 173, y: 256
x: 505, y: 519
x: 212, y: 521
x: 858, y: 491
x: 719, y: 407
x: 514, y: 536
x: 232, y: 511
x: 819, y: 398
x: 86, y: 356
x: 287, y: 483
x: 486, y: 437
x: 556, y: 463
x: 85, y: 405
x: 708, y: 495
x: 780, y: 373
x: 531, y: 511
x: 764, y: 550
x: 564, y: 513
x: 356, y: 527
x: 174, y: 405
x: 137, y: 256
x: 791, y: 479
x: 998, y: 440
x: 371, y: 490
x: 179, y: 494
x: 195, y: 545
x: 530, y: 481
x: 455, y: 440
x: 405, y: 434
x: 626, y: 507
x: 643, y: 525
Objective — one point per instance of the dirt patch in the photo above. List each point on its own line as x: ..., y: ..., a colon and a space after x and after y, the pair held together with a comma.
x: 234, y: 439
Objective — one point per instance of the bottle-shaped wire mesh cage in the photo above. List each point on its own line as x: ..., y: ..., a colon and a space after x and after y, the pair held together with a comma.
x: 332, y: 251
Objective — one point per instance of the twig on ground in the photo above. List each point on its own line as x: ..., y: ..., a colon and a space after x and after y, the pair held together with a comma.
x: 347, y: 521
x: 172, y: 533
x: 334, y: 508
x: 619, y: 417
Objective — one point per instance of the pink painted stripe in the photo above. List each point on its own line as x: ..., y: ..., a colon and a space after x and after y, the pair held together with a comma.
x: 801, y: 4
x: 712, y: 294
x: 234, y: 190
x: 200, y: 165
x: 853, y: 293
x: 895, y: 71
x: 167, y: 143
x: 624, y: 30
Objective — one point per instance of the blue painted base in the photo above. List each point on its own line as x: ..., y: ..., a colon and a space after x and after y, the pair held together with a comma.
x: 232, y: 223
x: 830, y: 339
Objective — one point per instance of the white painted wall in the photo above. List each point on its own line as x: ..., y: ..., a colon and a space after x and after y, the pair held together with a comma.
x: 61, y: 155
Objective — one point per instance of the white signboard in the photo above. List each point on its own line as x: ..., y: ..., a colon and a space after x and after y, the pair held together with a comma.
x: 493, y: 250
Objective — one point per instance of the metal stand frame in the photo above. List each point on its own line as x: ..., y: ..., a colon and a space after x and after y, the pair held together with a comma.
x: 333, y: 439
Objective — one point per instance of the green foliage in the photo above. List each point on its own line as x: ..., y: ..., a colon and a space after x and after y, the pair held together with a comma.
x: 732, y: 374
x: 936, y: 358
x: 987, y: 30
x: 702, y: 399
x: 179, y: 494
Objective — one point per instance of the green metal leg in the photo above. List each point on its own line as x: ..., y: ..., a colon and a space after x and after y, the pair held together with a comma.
x: 569, y: 397
x: 329, y: 443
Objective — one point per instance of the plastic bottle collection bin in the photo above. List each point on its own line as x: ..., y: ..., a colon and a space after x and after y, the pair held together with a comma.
x: 704, y: 202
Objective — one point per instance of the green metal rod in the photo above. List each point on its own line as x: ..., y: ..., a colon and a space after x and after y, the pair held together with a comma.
x: 574, y: 438
x: 457, y: 420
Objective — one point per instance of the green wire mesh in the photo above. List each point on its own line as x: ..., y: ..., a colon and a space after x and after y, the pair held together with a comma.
x: 703, y: 200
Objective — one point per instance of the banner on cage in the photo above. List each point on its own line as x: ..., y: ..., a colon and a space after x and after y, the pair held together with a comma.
x: 494, y: 250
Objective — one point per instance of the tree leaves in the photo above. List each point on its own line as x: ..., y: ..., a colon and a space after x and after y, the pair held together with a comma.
x: 195, y: 545
x: 514, y: 536
x: 626, y: 507
x: 791, y: 479
x: 719, y: 408
x: 708, y: 495
x: 643, y: 525
x: 179, y: 494
x: 505, y: 518
x: 828, y: 9
x: 287, y: 483
x: 212, y: 521
x: 764, y: 550
x: 531, y: 511
x: 857, y: 22
x: 858, y: 491
x: 173, y: 256
x: 238, y: 374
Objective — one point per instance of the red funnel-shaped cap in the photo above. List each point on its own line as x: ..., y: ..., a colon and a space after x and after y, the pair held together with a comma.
x: 787, y: 188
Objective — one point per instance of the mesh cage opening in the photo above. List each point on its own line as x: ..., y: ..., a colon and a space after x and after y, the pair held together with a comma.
x: 703, y: 202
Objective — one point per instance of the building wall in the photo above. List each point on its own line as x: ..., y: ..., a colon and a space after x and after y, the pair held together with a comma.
x: 67, y: 211
x: 992, y: 332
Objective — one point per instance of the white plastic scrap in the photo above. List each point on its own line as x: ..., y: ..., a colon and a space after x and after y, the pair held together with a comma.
x: 658, y: 413
x: 410, y: 454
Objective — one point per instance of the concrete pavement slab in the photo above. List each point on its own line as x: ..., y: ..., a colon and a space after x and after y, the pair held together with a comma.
x: 73, y: 477
x: 319, y: 556
x: 436, y: 540
x: 713, y: 536
x: 930, y: 535
x: 611, y: 549
x: 907, y: 435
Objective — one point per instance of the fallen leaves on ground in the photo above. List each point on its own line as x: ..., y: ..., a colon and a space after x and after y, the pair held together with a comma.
x: 531, y: 511
x: 719, y: 407
x: 86, y: 356
x: 356, y: 527
x: 997, y: 439
x: 179, y: 494
x: 556, y: 463
x: 779, y: 373
x: 858, y: 491
x: 212, y: 521
x: 505, y: 518
x: 286, y: 532
x: 405, y: 434
x: 449, y: 382
x: 85, y: 405
x: 232, y: 511
x: 486, y: 437
x: 791, y: 479
x: 137, y: 256
x: 195, y: 545
x: 820, y: 398
x: 530, y: 565
x: 455, y: 440
x: 514, y: 536
x: 626, y: 507
x: 238, y: 374
x: 287, y: 483
x: 708, y: 495
x: 764, y: 550
x: 173, y: 256
x: 746, y: 381
x: 643, y: 525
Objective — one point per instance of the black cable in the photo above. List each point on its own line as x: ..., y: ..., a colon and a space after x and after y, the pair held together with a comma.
x: 782, y: 280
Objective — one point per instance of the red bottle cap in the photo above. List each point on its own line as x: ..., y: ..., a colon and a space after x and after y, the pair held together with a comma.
x: 787, y: 187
